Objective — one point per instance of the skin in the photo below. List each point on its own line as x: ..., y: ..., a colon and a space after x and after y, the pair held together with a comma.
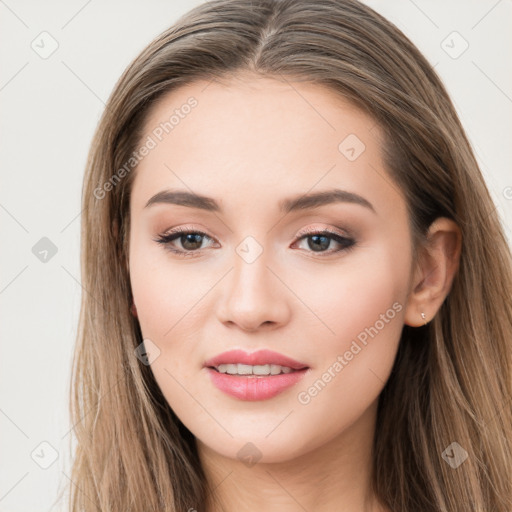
x: 249, y: 143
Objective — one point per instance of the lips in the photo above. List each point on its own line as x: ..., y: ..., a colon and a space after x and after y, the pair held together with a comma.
x: 261, y: 357
x: 254, y: 387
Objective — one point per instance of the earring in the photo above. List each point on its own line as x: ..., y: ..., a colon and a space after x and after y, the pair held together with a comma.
x: 423, y: 316
x: 133, y: 310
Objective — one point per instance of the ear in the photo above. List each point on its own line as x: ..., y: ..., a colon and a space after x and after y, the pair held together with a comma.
x: 438, y: 262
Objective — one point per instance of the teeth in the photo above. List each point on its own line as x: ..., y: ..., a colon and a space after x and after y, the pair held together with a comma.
x: 247, y: 369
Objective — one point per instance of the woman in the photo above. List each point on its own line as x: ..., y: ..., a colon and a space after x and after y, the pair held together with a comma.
x: 298, y: 285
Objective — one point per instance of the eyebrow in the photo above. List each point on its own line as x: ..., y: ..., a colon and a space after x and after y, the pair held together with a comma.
x: 303, y: 202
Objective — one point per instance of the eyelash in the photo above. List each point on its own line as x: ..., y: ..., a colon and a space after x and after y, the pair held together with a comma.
x: 167, y: 238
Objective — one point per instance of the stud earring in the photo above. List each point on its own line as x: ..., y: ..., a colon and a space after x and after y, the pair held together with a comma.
x: 423, y: 316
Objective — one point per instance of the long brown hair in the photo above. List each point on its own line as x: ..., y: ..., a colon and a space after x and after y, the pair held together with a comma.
x: 451, y: 381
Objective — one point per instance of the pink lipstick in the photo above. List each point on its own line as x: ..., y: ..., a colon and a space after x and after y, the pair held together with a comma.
x: 254, y: 376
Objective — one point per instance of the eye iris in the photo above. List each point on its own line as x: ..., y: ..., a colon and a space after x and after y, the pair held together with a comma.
x: 194, y: 238
x: 322, y: 239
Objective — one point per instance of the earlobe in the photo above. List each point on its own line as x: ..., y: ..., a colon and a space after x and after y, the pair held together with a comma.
x: 438, y: 262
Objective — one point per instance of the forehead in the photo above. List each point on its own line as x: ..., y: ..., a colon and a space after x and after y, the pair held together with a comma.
x: 258, y: 114
x: 259, y: 138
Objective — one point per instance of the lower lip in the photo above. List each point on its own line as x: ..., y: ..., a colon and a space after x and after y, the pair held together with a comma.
x: 255, y: 387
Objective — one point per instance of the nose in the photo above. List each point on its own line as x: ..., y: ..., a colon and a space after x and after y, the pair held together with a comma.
x: 253, y: 296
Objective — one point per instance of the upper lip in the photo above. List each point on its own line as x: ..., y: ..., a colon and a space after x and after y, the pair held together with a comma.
x: 261, y: 357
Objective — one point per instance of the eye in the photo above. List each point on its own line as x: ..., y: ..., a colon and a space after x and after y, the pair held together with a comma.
x: 191, y: 241
x: 319, y: 241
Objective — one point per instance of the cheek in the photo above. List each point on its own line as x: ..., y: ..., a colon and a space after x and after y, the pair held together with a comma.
x: 366, y: 301
x: 165, y: 291
x: 361, y: 309
x: 364, y: 310
x: 349, y: 299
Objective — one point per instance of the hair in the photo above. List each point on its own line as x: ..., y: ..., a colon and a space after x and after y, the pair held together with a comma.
x: 451, y: 379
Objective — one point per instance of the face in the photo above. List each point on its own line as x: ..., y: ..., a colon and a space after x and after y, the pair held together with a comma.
x: 259, y: 266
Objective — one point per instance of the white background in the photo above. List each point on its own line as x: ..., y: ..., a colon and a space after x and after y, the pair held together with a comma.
x: 50, y: 108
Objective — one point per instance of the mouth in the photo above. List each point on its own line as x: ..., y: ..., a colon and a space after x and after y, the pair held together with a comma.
x: 261, y: 362
x: 254, y: 376
x: 247, y: 370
